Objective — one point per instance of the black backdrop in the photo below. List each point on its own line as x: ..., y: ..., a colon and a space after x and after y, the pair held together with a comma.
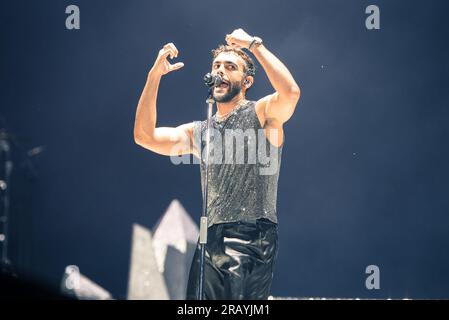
x: 364, y: 171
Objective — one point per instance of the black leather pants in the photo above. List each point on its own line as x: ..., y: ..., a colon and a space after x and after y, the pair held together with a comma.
x: 239, y: 261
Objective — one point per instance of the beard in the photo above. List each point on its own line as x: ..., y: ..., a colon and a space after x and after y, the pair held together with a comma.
x: 233, y: 90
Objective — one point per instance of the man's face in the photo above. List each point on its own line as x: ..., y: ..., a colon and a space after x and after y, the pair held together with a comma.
x: 230, y: 67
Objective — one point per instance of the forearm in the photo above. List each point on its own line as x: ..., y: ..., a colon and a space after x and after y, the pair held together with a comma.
x: 146, y: 114
x: 278, y: 74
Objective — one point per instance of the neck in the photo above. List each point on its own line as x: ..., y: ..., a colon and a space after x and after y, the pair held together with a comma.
x: 223, y: 108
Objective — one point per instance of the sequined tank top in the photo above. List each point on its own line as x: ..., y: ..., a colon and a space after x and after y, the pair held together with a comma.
x: 244, y: 167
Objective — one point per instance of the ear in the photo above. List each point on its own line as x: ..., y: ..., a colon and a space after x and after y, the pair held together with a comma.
x: 248, y: 82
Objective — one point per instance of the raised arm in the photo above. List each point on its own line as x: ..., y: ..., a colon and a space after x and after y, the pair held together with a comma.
x: 163, y: 140
x: 280, y: 105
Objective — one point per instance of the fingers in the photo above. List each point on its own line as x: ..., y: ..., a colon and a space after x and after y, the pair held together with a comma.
x: 176, y: 66
x: 172, y: 46
x: 165, y: 52
x: 238, y: 38
x: 173, y: 50
x: 168, y: 49
x: 231, y: 41
x: 162, y: 63
x: 234, y: 33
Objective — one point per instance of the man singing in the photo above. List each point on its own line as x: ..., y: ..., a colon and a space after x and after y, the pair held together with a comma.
x: 242, y: 238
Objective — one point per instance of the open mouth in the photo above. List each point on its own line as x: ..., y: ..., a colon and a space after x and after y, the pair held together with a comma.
x: 223, y: 85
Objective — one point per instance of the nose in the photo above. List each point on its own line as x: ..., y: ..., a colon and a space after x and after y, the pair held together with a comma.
x: 220, y: 70
x: 218, y: 73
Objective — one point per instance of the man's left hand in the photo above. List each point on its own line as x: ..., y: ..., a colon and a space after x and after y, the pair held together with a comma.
x: 239, y: 39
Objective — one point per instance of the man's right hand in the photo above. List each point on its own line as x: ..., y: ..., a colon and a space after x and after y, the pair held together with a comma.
x: 161, y: 65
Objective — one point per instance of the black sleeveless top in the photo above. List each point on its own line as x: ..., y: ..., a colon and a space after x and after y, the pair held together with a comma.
x: 244, y: 167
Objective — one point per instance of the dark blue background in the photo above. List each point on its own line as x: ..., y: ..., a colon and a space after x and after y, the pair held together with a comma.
x: 364, y: 177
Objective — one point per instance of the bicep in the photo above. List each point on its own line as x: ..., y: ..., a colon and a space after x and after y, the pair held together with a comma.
x: 278, y: 107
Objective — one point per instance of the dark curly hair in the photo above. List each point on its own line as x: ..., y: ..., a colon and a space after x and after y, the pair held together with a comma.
x: 250, y: 68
